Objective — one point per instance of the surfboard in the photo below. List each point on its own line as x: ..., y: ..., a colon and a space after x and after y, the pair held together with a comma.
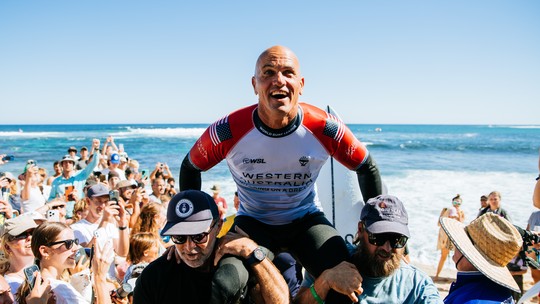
x: 340, y: 196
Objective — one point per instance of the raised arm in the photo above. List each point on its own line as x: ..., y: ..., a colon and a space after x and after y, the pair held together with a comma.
x: 536, y: 194
x: 369, y: 179
x: 190, y: 177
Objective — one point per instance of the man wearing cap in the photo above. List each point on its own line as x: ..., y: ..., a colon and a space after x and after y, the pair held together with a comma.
x: 72, y: 151
x: 70, y: 177
x: 193, y: 223
x: 113, y: 163
x: 376, y: 272
x: 483, y: 249
x: 105, y: 221
x: 275, y: 150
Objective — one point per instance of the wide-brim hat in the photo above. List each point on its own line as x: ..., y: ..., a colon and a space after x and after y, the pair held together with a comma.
x: 67, y: 157
x: 489, y: 242
x: 215, y: 188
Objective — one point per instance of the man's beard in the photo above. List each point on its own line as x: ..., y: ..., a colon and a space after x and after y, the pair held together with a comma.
x: 372, y: 266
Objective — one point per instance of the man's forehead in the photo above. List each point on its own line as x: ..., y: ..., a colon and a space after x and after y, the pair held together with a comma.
x: 277, y: 57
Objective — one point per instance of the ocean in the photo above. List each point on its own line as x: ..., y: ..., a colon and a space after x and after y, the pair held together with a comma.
x: 424, y: 165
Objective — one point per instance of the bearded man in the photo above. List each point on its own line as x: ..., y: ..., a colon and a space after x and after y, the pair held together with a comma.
x: 376, y: 272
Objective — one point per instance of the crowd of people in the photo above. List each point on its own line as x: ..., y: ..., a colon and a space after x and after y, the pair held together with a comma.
x: 99, y: 230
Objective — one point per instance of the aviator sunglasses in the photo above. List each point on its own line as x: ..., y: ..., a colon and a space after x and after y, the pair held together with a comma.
x: 196, y: 238
x: 68, y: 243
x: 396, y: 240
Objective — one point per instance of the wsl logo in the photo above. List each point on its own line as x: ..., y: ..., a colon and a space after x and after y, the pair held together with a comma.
x: 304, y: 160
x: 247, y: 161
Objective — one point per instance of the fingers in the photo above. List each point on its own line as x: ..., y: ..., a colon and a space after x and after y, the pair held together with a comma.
x: 240, y: 231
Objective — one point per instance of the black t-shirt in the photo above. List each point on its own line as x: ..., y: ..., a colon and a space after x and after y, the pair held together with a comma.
x: 164, y: 282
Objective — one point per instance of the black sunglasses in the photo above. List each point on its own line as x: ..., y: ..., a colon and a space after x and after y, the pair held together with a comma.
x: 396, y: 240
x: 68, y: 243
x: 58, y: 207
x: 196, y: 238
x: 22, y: 236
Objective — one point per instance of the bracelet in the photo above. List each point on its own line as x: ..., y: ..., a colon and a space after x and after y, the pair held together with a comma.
x: 122, y: 228
x: 315, y: 295
x: 538, y: 177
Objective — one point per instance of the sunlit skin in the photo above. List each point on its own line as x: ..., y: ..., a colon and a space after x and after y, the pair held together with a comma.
x: 67, y: 168
x: 6, y: 295
x: 58, y: 256
x: 96, y: 205
x: 278, y: 84
x: 494, y: 201
x: 198, y: 255
x: 158, y: 187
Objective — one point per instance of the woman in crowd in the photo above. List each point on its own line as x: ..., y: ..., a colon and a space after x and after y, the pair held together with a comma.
x: 152, y: 219
x: 15, y: 243
x: 443, y: 243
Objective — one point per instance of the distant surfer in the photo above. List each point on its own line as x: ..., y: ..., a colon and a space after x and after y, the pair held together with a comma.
x: 275, y: 150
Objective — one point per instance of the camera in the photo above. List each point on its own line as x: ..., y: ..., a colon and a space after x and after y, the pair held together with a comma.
x: 114, y: 195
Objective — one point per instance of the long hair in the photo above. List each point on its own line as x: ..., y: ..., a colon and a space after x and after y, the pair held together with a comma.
x: 4, y: 259
x: 146, y: 222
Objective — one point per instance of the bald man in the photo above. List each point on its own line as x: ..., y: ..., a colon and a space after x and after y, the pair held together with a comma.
x: 275, y: 150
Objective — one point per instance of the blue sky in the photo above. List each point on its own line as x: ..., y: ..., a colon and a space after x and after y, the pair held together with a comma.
x: 412, y: 62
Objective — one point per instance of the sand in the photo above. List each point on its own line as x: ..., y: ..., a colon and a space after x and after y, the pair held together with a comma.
x: 447, y: 276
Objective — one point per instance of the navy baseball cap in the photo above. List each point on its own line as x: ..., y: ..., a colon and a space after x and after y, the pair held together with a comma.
x: 97, y: 190
x: 385, y: 214
x: 190, y: 212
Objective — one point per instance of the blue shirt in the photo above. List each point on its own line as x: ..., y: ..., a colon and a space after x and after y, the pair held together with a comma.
x: 475, y: 288
x: 407, y: 285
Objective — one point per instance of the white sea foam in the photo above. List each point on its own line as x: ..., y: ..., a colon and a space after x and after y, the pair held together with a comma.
x: 160, y: 132
x: 426, y: 192
x: 15, y: 134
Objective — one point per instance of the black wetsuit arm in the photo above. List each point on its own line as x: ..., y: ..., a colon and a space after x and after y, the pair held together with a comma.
x: 369, y: 179
x: 190, y: 177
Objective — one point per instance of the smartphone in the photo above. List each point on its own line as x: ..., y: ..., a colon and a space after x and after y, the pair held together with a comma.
x: 144, y: 173
x: 8, y: 158
x: 53, y: 216
x: 68, y: 194
x: 81, y: 254
x: 5, y: 194
x: 90, y: 254
x: 120, y: 147
x: 29, y: 274
x: 114, y: 195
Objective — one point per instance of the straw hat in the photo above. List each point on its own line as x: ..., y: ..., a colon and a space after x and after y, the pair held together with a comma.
x: 489, y: 243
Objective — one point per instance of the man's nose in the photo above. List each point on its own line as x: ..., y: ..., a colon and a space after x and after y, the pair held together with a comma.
x: 279, y: 78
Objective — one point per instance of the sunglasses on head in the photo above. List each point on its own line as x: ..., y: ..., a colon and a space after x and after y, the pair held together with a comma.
x: 379, y: 239
x: 196, y: 238
x: 68, y: 243
x: 22, y: 236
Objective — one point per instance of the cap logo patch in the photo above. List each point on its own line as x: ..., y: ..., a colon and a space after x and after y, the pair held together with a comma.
x: 184, y: 208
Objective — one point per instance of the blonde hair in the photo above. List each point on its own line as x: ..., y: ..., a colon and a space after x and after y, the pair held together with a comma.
x: 146, y: 222
x: 79, y: 206
x: 139, y: 243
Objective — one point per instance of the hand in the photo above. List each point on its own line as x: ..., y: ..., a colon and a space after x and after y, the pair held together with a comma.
x: 172, y: 252
x: 159, y: 166
x: 41, y: 292
x: 4, y: 182
x: 111, y: 212
x: 95, y: 144
x: 345, y: 279
x: 234, y: 244
x: 103, y: 257
x: 81, y: 265
x: 2, y: 161
x: 6, y: 208
x: 110, y: 139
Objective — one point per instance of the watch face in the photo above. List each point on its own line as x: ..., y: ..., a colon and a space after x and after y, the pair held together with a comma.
x: 259, y: 254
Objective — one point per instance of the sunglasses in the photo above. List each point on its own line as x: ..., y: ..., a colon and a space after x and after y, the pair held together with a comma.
x: 196, y: 238
x: 456, y: 203
x: 22, y: 236
x: 68, y: 243
x: 396, y: 240
x: 58, y: 207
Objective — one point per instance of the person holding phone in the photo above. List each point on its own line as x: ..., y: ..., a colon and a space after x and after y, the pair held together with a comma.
x: 15, y: 243
x: 54, y: 245
x: 31, y: 196
x: 71, y: 177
